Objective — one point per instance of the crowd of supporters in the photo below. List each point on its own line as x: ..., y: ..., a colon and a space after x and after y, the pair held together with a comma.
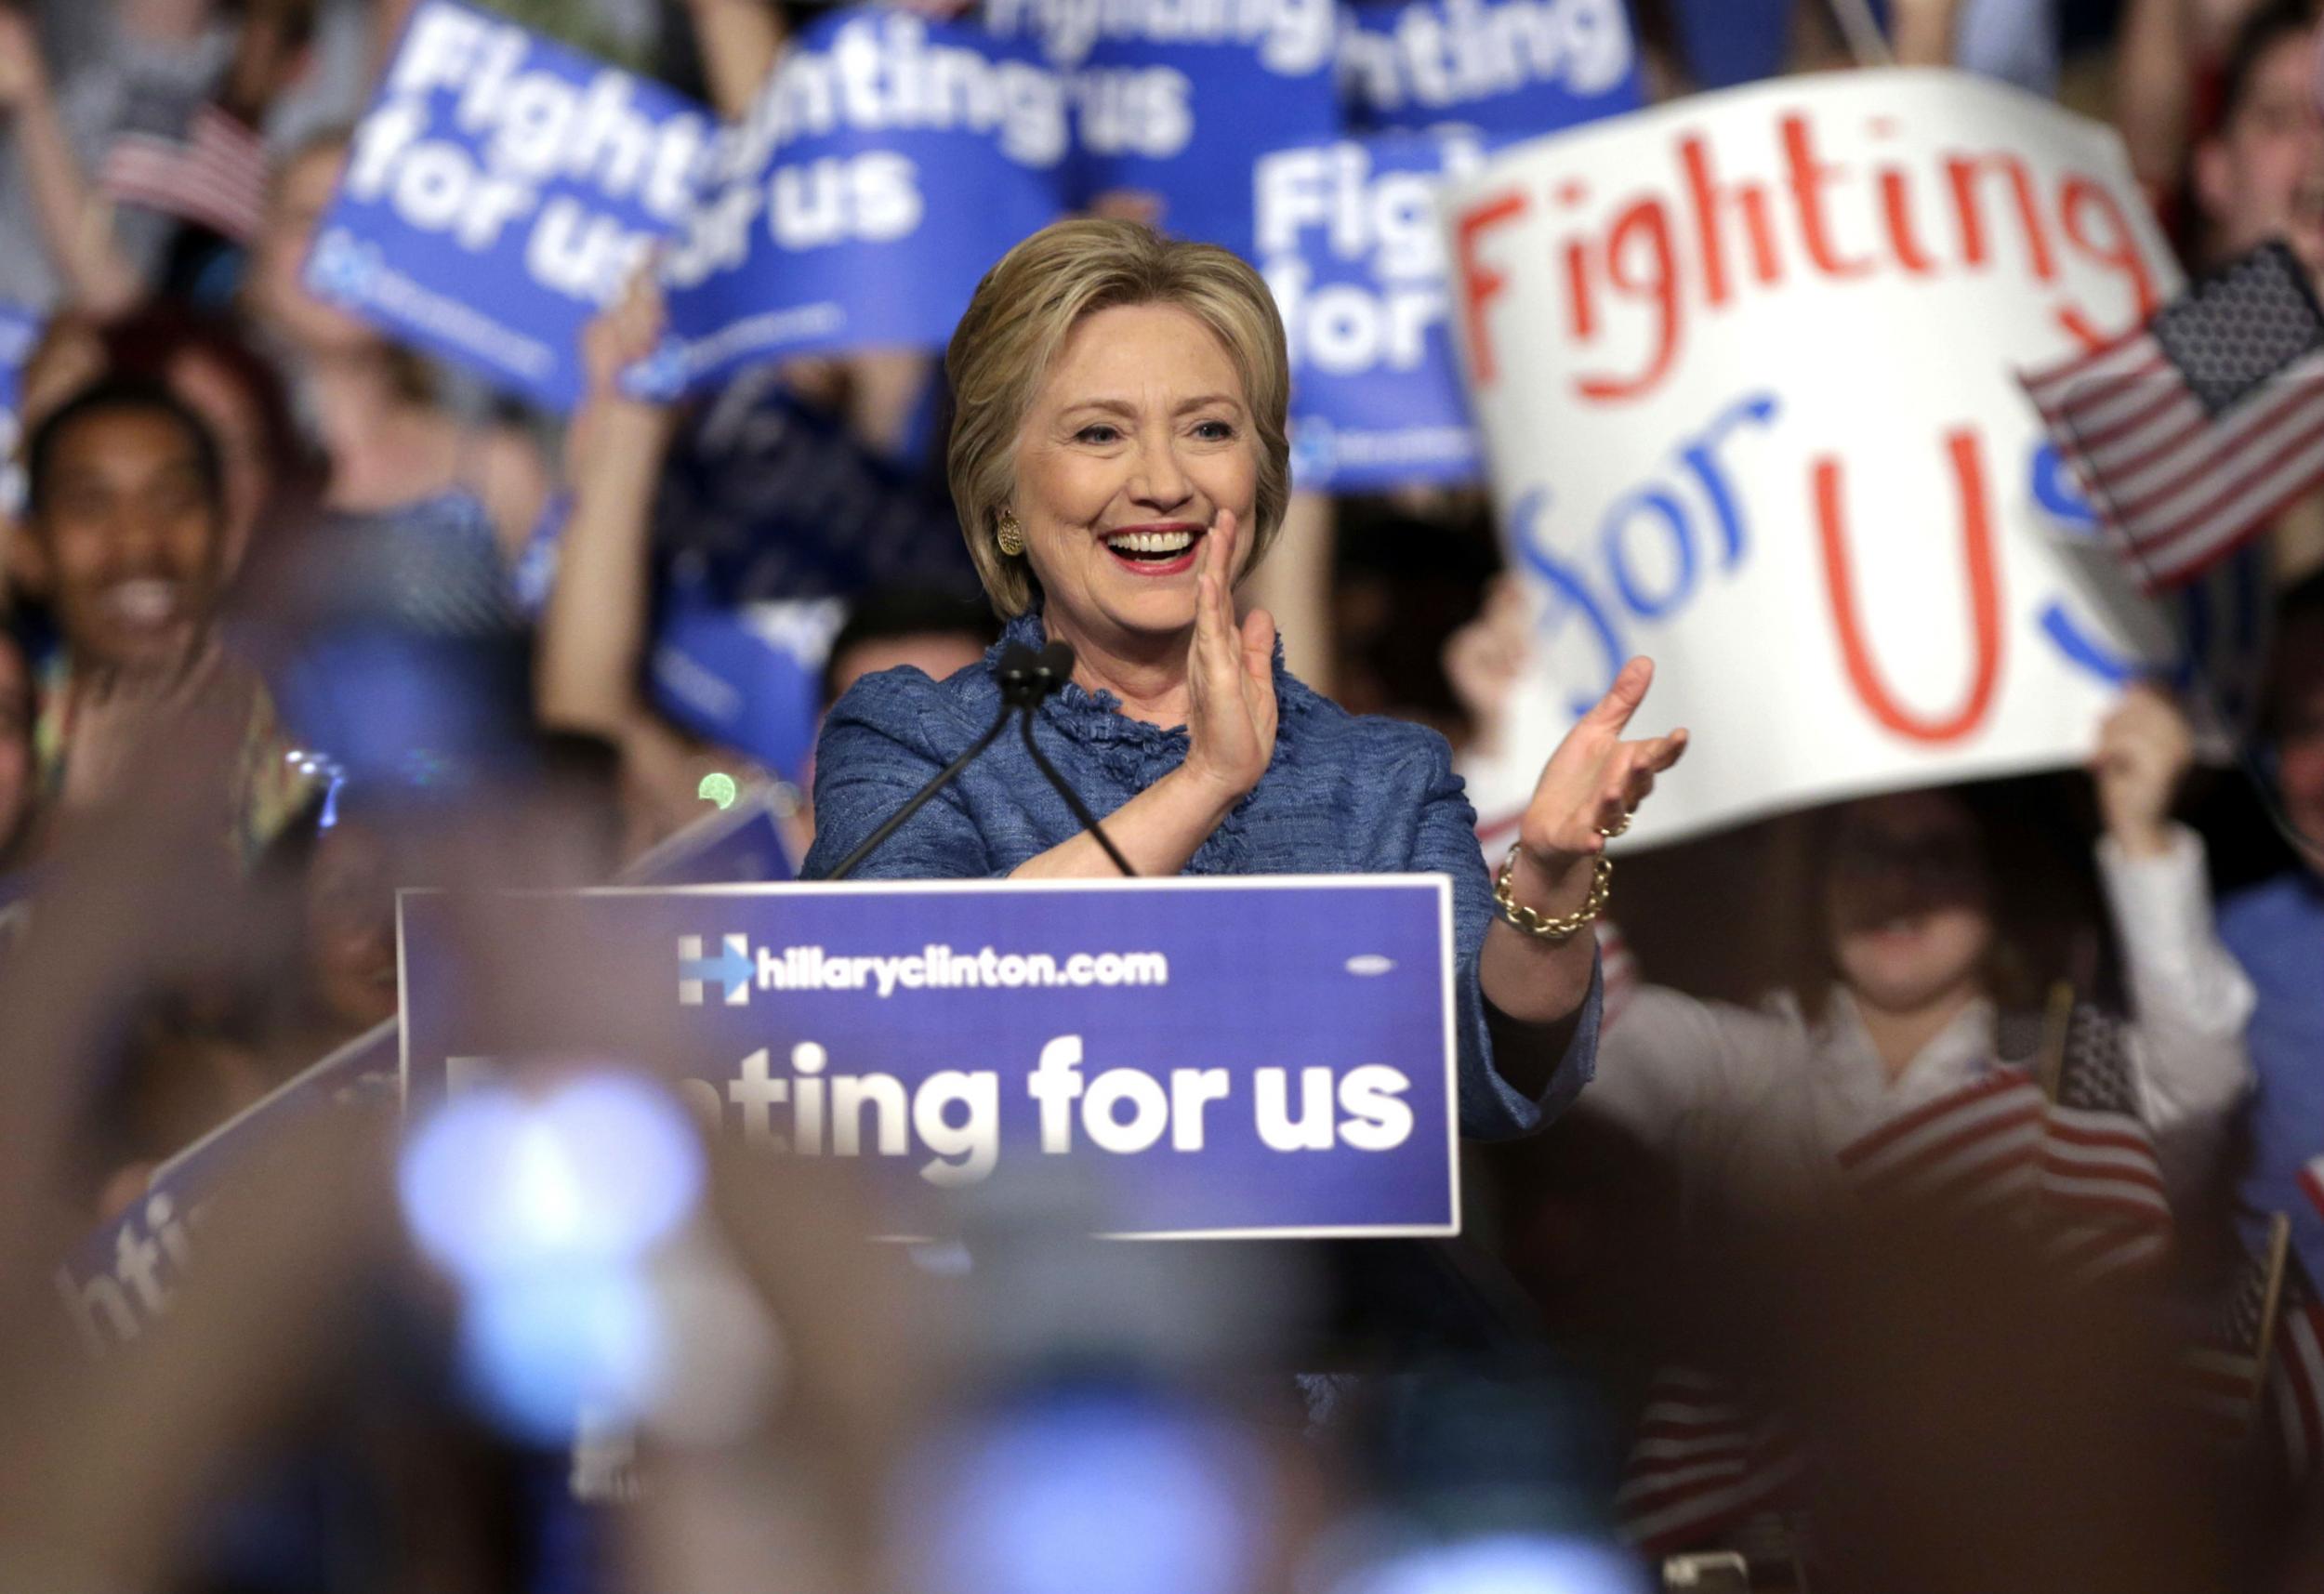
x: 296, y: 618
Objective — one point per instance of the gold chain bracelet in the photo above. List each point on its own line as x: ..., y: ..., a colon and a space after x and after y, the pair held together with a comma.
x: 1555, y: 931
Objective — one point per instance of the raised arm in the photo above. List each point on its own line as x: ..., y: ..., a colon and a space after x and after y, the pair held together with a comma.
x: 739, y: 40
x: 2189, y: 999
x: 75, y: 225
x: 2154, y: 85
x: 593, y: 634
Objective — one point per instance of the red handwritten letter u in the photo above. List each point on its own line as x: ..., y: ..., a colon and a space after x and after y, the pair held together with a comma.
x: 1984, y: 600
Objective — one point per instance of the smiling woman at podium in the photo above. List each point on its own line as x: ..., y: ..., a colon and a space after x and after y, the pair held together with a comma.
x: 1120, y: 462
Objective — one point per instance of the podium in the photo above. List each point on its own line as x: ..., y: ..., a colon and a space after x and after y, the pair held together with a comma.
x: 1215, y: 1058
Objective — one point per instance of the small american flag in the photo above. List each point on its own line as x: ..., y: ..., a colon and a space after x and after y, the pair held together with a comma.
x: 2219, y: 1376
x: 1702, y: 1464
x: 2192, y: 432
x: 2248, y: 1372
x: 214, y: 174
x: 2311, y: 1176
x: 2296, y: 1377
x: 1981, y: 1142
x: 2102, y: 1200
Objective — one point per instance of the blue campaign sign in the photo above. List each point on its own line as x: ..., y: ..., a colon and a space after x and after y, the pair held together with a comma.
x: 120, y: 1281
x: 502, y: 189
x: 741, y: 844
x: 1225, y: 1057
x: 1347, y: 236
x: 1172, y: 102
x: 749, y: 676
x: 20, y: 330
x: 1506, y: 68
x: 887, y: 162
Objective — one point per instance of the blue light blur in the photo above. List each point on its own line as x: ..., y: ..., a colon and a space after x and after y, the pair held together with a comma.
x: 1099, y: 1493
x: 599, y: 1172
x: 548, y: 1211
x: 1504, y: 1563
x: 542, y: 1348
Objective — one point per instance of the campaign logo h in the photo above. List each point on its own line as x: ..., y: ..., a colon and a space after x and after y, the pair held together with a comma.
x: 732, y: 967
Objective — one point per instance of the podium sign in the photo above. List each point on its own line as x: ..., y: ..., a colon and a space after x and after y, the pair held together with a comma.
x: 1218, y: 1058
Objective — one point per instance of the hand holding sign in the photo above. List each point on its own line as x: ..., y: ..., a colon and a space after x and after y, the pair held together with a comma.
x: 2146, y: 748
x: 1594, y: 779
x: 617, y: 343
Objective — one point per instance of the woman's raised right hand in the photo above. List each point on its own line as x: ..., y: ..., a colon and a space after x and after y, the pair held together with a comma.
x: 1230, y: 674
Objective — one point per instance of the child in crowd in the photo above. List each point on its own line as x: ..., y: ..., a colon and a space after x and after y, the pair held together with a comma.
x: 1922, y: 997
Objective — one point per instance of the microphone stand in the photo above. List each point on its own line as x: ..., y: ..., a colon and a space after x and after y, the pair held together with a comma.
x: 1073, y: 799
x: 944, y: 777
x: 1026, y: 679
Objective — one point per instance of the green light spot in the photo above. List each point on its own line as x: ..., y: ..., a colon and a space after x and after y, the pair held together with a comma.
x: 717, y: 789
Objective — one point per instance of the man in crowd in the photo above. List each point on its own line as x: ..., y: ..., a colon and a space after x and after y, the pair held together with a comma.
x: 2259, y: 175
x: 124, y: 527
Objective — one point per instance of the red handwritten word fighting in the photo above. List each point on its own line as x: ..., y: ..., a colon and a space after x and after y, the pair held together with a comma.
x: 1631, y: 278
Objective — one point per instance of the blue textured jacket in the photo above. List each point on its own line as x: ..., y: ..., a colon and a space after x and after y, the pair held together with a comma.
x: 1344, y: 795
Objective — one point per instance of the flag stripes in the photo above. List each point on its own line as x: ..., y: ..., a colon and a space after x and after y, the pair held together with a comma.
x: 2191, y: 432
x: 215, y: 175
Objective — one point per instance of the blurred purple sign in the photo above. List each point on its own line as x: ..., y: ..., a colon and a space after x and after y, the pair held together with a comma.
x: 120, y: 1282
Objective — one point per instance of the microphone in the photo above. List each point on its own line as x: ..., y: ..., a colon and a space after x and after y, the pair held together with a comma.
x: 1052, y: 668
x: 1026, y: 679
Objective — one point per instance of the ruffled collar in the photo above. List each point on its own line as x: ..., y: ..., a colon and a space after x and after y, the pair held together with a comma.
x: 1136, y: 746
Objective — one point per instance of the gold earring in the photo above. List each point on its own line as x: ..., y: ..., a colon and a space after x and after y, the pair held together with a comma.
x: 1011, y: 535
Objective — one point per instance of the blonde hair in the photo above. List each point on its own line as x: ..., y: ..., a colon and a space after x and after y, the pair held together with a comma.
x: 1023, y: 310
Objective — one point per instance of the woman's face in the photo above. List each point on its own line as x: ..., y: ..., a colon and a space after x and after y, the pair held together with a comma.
x: 278, y: 296
x: 1138, y: 438
x: 1907, y: 899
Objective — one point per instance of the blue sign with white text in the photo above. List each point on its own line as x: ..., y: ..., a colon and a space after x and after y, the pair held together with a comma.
x: 887, y: 162
x: 1347, y: 237
x: 748, y: 677
x: 744, y: 844
x: 120, y: 1282
x: 1505, y: 68
x: 1218, y: 1057
x: 501, y: 189
x: 1172, y: 102
x: 20, y: 330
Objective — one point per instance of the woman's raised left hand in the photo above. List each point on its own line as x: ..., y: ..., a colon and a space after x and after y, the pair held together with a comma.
x: 1594, y: 779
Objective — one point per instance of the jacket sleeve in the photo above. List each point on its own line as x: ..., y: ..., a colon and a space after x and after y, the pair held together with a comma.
x: 880, y: 743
